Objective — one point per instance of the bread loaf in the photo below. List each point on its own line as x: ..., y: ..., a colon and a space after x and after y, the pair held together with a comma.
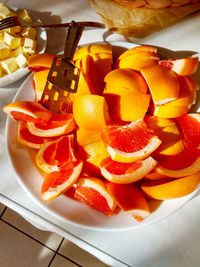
x: 139, y: 18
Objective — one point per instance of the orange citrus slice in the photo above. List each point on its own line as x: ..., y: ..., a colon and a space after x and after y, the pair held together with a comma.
x: 163, y: 83
x: 90, y: 112
x: 131, y: 142
x: 130, y: 199
x: 28, y: 139
x: 92, y: 192
x: 169, y: 189
x: 125, y: 173
x: 57, y: 155
x: 183, y: 164
x: 58, y: 125
x: 183, y: 66
x: 56, y: 183
x: 189, y: 126
x: 28, y: 111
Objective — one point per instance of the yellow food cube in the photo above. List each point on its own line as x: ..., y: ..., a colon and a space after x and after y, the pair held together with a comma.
x: 16, y: 52
x: 21, y: 60
x: 30, y: 33
x: 23, y: 14
x: 4, y: 11
x: 9, y: 65
x: 4, y: 50
x: 14, y: 30
x: 29, y: 46
x: 29, y: 51
x: 12, y: 41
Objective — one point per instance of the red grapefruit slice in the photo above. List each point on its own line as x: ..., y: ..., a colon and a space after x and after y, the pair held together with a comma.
x: 57, y: 155
x: 183, y: 164
x: 28, y: 111
x: 58, y: 125
x: 131, y: 142
x: 189, y: 127
x: 56, y: 183
x: 28, y: 139
x: 92, y: 192
x: 183, y: 66
x: 130, y: 199
x: 125, y: 173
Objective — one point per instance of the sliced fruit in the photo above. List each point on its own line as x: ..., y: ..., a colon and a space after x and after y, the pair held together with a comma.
x: 141, y: 48
x: 57, y: 183
x: 128, y: 79
x: 28, y: 139
x: 92, y: 49
x: 130, y: 199
x: 95, y: 149
x: 28, y: 111
x: 182, y: 105
x: 169, y: 189
x: 183, y: 164
x: 154, y: 176
x: 126, y: 173
x: 171, y: 140
x: 92, y: 192
x: 40, y: 79
x: 57, y: 155
x: 183, y: 67
x: 90, y: 112
x: 154, y: 122
x: 137, y: 61
x: 86, y: 137
x: 88, y: 80
x: 189, y: 127
x: 59, y: 125
x: 163, y: 89
x: 131, y: 142
x: 92, y: 165
x: 127, y: 107
x: 40, y: 62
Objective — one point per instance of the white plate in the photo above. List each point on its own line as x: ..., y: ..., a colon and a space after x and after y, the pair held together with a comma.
x: 63, y: 207
x: 20, y: 73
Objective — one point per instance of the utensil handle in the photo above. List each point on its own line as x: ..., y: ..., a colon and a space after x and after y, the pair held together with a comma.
x: 73, y: 37
x: 67, y: 24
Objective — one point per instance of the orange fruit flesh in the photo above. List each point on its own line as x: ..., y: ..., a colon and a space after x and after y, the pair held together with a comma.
x: 119, y: 137
x: 182, y: 160
x: 130, y: 199
x: 93, y: 199
x: 54, y: 179
x: 120, y: 168
x: 189, y: 126
x: 27, y: 138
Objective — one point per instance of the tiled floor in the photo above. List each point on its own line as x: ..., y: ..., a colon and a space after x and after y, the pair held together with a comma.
x: 21, y: 244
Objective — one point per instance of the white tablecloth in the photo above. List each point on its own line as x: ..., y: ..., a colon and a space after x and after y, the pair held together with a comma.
x: 174, y: 241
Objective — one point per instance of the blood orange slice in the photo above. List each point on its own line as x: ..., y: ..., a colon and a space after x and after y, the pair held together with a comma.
x: 189, y: 127
x: 125, y: 173
x: 56, y: 183
x: 131, y: 142
x: 28, y: 111
x: 93, y: 193
x: 28, y: 139
x: 130, y: 199
x: 183, y: 164
x: 57, y: 155
x: 59, y: 124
